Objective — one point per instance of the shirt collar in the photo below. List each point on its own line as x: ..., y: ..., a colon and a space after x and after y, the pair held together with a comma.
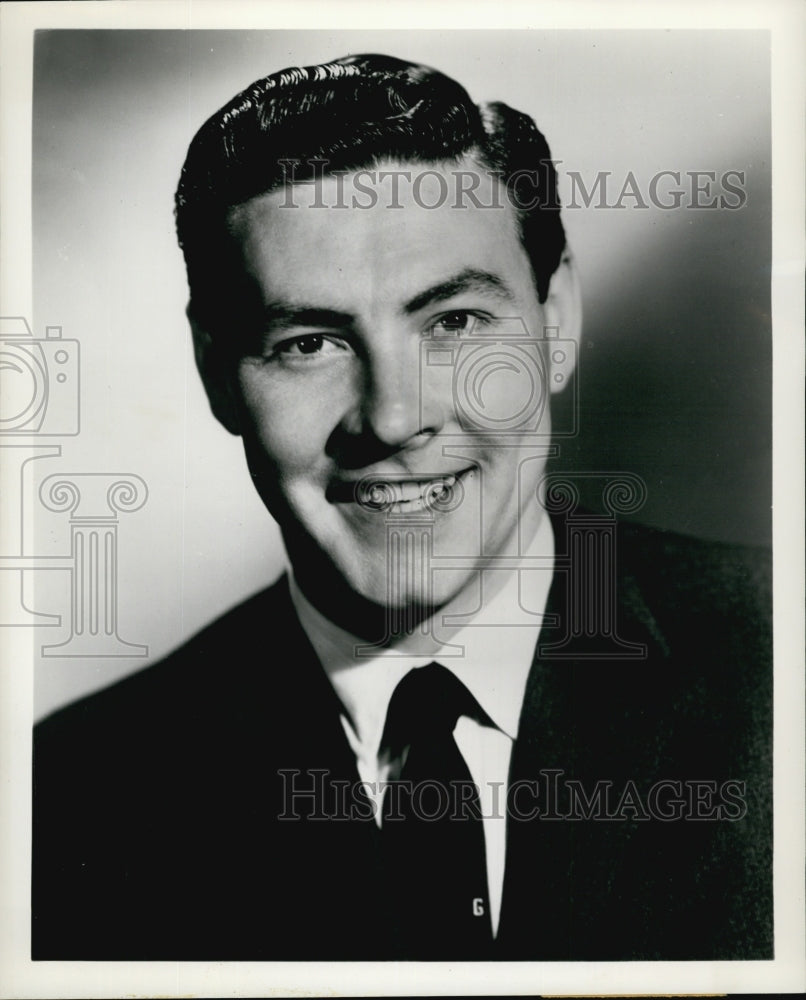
x: 490, y: 650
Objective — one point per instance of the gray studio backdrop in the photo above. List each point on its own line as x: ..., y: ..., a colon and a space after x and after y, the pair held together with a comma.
x: 674, y: 376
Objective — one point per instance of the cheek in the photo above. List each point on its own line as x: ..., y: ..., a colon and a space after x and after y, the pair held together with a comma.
x: 284, y: 425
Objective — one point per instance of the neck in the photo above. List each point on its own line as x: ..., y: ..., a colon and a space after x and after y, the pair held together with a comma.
x: 377, y: 624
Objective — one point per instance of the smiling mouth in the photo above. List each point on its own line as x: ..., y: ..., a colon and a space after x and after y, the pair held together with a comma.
x: 403, y: 494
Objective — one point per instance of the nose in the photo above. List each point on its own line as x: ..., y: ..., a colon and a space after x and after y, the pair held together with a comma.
x: 394, y: 406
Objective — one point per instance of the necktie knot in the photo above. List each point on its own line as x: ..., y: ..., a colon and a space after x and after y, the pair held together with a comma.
x: 426, y: 705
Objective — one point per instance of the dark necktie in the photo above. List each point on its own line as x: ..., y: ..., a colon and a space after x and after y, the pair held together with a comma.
x: 432, y: 833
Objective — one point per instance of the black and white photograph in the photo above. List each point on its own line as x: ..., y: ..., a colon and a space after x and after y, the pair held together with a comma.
x: 402, y: 450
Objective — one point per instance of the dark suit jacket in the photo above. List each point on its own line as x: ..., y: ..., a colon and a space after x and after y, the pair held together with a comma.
x: 156, y: 801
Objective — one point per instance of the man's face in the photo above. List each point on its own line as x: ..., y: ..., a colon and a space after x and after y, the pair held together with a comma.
x: 339, y: 385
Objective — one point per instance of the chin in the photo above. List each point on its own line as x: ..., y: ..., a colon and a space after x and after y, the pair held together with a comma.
x: 424, y: 601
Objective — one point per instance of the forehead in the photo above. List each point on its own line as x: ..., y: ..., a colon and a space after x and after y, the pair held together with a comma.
x: 384, y: 232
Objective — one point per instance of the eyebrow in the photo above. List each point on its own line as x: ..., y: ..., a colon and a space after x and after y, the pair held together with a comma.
x: 469, y: 280
x: 283, y: 315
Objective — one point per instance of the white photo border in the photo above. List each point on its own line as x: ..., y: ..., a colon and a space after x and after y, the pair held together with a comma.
x: 19, y: 977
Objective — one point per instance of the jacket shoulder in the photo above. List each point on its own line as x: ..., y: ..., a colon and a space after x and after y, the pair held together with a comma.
x: 718, y: 578
x: 182, y: 682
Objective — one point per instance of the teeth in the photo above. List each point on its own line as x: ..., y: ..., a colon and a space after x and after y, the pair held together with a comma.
x: 407, y: 494
x: 410, y: 492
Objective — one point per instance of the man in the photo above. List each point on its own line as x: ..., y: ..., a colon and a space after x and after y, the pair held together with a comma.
x: 474, y: 721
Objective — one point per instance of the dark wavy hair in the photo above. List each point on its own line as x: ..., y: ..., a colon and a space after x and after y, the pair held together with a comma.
x: 354, y: 113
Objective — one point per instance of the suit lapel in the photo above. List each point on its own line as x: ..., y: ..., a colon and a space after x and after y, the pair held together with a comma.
x: 330, y: 855
x: 565, y: 717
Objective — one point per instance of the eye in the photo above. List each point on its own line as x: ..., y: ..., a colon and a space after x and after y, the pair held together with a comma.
x: 312, y: 344
x: 309, y: 345
x: 454, y: 322
x: 459, y: 322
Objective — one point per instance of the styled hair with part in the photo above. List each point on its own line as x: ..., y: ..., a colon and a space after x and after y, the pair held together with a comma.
x: 350, y: 114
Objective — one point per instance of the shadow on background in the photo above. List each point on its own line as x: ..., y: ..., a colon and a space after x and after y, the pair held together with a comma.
x: 675, y: 377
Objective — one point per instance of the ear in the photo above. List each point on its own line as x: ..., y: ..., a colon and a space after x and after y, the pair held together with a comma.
x: 563, y: 312
x: 215, y: 375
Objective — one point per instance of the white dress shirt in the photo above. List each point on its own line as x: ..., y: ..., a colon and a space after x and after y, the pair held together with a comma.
x: 491, y: 652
